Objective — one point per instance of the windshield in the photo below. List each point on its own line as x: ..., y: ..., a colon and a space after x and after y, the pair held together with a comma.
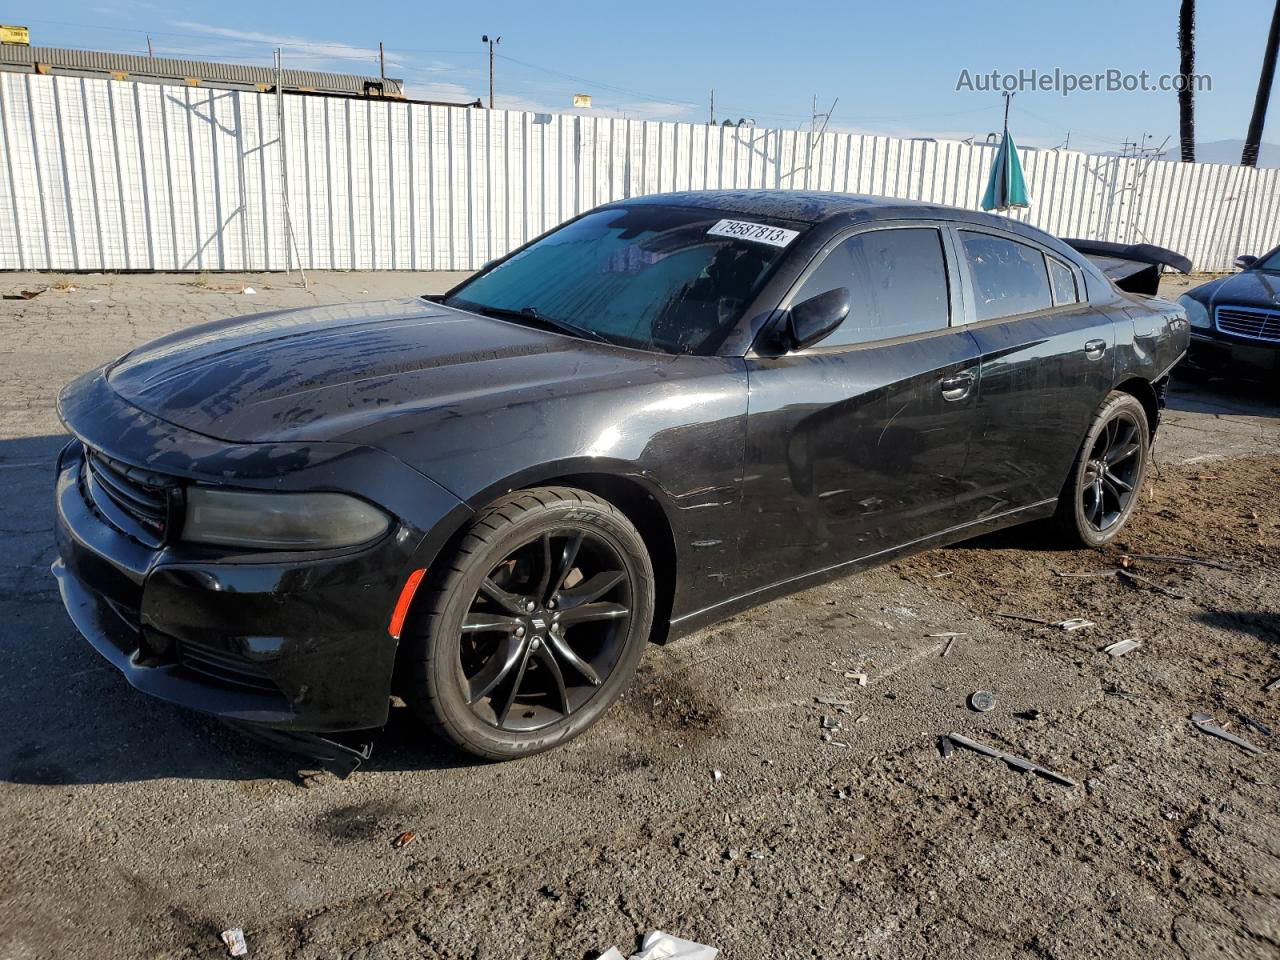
x: 1271, y: 262
x: 653, y: 277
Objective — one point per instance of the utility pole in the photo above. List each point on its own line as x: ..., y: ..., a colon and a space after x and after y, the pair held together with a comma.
x: 382, y: 66
x: 150, y: 52
x: 492, y: 43
x: 1253, y: 139
x: 713, y: 106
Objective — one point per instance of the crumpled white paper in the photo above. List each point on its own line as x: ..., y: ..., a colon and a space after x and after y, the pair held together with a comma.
x: 663, y: 946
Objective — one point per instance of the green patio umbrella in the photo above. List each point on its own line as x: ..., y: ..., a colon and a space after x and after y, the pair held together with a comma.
x: 1006, y: 187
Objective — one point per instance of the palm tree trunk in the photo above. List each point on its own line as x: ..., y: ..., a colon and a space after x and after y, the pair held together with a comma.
x: 1252, y: 142
x: 1186, y: 67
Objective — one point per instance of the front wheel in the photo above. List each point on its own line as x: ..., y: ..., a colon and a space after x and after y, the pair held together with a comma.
x: 1106, y: 478
x: 536, y: 625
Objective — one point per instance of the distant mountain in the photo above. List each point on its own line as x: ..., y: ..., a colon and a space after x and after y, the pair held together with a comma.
x: 1228, y: 151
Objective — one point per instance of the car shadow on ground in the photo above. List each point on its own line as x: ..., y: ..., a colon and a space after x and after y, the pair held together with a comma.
x: 72, y: 719
x: 1264, y: 626
x: 1215, y: 395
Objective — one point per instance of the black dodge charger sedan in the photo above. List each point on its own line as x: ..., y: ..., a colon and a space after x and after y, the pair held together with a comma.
x: 1235, y: 320
x: 660, y: 413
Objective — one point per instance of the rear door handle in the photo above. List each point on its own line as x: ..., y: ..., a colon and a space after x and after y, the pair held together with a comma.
x: 1094, y: 349
x: 957, y: 387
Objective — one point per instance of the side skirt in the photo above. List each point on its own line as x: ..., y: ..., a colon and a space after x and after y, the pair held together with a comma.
x: 698, y: 619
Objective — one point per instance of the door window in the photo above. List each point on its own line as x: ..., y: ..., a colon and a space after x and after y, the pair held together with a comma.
x: 1008, y: 277
x: 1063, y: 281
x: 897, y: 282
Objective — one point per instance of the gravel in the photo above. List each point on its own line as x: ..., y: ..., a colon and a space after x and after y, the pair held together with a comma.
x: 132, y: 829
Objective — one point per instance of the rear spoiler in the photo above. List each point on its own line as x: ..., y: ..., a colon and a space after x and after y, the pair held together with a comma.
x: 1135, y: 267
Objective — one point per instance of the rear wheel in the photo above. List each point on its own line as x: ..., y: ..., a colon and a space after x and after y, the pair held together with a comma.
x: 1106, y: 478
x: 535, y: 626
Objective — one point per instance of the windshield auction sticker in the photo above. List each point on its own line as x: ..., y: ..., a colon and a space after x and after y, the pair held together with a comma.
x: 756, y: 232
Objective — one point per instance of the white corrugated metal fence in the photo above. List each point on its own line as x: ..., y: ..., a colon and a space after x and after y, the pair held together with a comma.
x: 106, y: 175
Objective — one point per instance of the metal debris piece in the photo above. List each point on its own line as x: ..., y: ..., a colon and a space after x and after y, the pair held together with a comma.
x: 945, y: 746
x: 1074, y: 623
x: 983, y: 701
x: 1164, y: 558
x: 1130, y: 577
x: 947, y: 648
x: 945, y: 635
x: 1121, y: 647
x: 858, y: 857
x: 717, y: 776
x: 1205, y: 724
x: 234, y: 940
x: 1020, y: 763
x: 859, y: 678
x: 1071, y: 623
x: 1272, y: 686
x: 404, y: 840
x: 830, y: 722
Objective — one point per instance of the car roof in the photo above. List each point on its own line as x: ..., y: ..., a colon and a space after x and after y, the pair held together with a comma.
x: 818, y: 206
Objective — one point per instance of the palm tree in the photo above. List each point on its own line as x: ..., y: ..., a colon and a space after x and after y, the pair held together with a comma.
x: 1186, y: 67
x: 1253, y: 140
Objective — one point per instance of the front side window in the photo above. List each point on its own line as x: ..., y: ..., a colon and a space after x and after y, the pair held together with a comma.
x: 1008, y: 277
x: 669, y: 279
x: 897, y: 282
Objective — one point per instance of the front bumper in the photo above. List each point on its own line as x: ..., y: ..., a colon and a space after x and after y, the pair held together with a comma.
x: 1217, y: 353
x: 297, y: 644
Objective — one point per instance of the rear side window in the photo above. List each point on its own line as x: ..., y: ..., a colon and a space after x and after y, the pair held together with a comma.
x: 1063, y: 282
x: 897, y: 282
x: 1008, y: 277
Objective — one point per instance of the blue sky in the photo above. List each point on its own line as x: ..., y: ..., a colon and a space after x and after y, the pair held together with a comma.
x: 893, y: 66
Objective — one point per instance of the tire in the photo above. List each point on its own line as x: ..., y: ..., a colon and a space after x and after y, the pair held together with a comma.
x: 1095, y: 505
x: 453, y: 657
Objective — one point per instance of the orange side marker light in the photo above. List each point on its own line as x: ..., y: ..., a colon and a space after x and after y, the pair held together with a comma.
x: 402, y: 605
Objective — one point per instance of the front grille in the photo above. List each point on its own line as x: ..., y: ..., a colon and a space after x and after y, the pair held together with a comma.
x: 136, y: 502
x: 222, y: 665
x: 1251, y: 322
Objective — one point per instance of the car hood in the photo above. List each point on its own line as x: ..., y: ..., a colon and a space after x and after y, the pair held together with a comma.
x: 1250, y: 288
x: 330, y: 373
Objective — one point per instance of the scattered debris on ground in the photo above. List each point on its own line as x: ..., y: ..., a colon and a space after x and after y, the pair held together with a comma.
x: 982, y: 701
x: 1121, y: 647
x: 235, y: 942
x: 663, y: 946
x: 1205, y: 724
x: 403, y: 840
x: 1015, y: 761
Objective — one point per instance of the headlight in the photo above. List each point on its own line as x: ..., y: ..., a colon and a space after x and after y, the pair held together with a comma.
x: 280, y: 521
x: 1197, y: 312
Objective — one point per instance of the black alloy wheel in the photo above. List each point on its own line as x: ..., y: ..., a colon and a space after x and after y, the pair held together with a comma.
x: 545, y: 629
x: 1111, y: 472
x: 533, y: 626
x: 1102, y: 490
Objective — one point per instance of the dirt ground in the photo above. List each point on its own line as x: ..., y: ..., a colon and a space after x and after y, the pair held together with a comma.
x: 130, y: 829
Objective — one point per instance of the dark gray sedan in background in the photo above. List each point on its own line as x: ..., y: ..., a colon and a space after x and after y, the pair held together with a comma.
x: 663, y: 412
x: 1235, y: 321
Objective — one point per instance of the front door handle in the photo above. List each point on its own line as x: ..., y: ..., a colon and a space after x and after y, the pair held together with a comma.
x: 957, y: 387
x: 1094, y: 349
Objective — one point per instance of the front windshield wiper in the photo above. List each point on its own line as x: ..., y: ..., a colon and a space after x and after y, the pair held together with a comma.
x: 525, y: 314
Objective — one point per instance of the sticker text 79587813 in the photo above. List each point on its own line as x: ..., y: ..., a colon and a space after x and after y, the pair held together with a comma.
x: 756, y: 232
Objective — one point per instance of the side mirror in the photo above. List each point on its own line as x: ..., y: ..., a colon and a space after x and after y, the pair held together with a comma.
x: 810, y: 321
x: 1244, y: 262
